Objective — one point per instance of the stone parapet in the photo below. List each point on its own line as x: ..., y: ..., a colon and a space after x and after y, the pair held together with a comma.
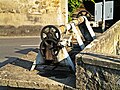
x: 107, y: 43
x: 98, y: 65
x: 94, y: 77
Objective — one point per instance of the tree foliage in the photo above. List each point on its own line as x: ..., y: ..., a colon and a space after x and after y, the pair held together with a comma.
x: 72, y: 6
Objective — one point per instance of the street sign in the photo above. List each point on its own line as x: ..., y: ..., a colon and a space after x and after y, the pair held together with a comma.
x: 109, y: 5
x: 98, y: 11
x: 108, y: 10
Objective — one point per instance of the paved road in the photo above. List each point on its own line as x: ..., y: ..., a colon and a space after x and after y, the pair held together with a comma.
x: 15, y: 47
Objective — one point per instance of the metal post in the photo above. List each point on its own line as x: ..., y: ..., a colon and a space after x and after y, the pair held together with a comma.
x: 103, y: 16
x: 38, y: 60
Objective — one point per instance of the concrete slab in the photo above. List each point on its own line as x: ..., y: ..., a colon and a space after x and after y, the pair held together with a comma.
x: 17, y: 74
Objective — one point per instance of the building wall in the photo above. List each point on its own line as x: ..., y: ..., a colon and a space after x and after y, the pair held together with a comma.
x: 32, y: 12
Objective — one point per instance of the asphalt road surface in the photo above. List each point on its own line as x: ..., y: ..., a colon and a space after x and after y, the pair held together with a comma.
x: 15, y: 47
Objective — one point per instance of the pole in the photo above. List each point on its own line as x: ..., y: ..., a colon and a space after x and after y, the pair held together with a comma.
x: 66, y: 12
x: 103, y: 16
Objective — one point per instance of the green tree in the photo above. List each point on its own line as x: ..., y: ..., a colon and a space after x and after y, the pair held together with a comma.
x: 72, y: 6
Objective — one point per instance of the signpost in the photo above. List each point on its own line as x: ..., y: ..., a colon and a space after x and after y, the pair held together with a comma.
x: 103, y: 16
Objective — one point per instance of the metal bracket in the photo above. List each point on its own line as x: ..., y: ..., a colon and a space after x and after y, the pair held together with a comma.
x: 89, y: 28
x: 38, y: 60
x: 79, y: 39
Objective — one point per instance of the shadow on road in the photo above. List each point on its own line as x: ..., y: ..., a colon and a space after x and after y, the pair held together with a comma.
x: 20, y: 51
x: 9, y: 60
x: 23, y: 63
x: 25, y: 51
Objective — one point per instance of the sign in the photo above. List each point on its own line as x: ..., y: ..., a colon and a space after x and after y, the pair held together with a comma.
x: 98, y: 11
x: 108, y: 10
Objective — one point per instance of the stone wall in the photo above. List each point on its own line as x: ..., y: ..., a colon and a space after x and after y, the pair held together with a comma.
x: 91, y: 77
x: 24, y: 30
x: 32, y: 12
x: 27, y: 16
x: 98, y: 65
x: 108, y: 43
